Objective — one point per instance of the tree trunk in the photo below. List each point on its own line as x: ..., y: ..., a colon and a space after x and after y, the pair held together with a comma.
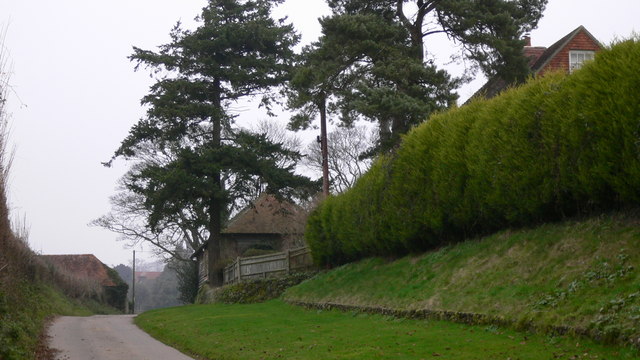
x: 213, y: 244
x: 215, y: 208
x: 415, y: 28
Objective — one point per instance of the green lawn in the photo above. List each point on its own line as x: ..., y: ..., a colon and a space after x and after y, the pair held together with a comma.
x: 275, y: 330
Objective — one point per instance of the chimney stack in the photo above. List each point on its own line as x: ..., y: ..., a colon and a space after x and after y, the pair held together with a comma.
x: 527, y: 39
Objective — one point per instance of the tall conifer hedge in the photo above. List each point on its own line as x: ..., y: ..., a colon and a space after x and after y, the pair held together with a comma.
x: 557, y: 146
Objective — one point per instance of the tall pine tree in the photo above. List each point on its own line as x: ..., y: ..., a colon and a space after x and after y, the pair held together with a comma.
x: 237, y: 51
x: 384, y: 40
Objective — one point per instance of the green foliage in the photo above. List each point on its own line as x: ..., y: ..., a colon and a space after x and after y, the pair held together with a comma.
x: 498, y: 51
x: 380, y: 65
x: 116, y: 296
x: 362, y: 67
x: 255, y: 291
x: 187, y: 274
x: 559, y: 145
x: 24, y: 309
x: 16, y: 330
x: 192, y: 166
x: 274, y: 330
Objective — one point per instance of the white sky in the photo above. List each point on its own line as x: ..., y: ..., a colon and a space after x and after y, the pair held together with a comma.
x: 75, y: 96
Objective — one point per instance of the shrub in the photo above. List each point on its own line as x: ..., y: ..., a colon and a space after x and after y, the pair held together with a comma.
x: 254, y: 291
x: 559, y: 145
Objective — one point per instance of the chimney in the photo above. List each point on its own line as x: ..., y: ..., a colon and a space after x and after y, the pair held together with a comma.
x: 527, y: 39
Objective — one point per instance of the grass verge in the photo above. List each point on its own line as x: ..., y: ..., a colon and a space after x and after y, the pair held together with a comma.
x: 25, y: 311
x: 275, y: 330
x: 581, y: 274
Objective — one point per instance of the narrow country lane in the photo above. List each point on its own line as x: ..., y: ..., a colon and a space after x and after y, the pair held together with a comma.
x: 106, y: 337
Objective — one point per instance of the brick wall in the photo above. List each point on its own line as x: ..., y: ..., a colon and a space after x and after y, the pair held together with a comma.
x: 581, y: 41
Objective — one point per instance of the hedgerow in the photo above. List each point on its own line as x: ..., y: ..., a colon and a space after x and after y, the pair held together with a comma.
x: 559, y: 145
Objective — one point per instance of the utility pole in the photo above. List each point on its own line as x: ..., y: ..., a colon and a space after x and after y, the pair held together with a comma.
x: 133, y: 285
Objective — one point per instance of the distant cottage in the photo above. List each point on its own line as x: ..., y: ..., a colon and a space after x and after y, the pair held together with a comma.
x: 147, y: 275
x: 567, y: 54
x: 88, y: 267
x: 268, y: 223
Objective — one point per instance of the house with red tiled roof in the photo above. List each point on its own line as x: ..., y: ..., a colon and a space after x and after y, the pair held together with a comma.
x: 88, y: 267
x: 84, y: 265
x: 566, y: 54
x: 147, y: 275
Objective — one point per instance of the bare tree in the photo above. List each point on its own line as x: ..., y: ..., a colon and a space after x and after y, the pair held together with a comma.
x: 346, y: 146
x: 129, y: 215
x: 5, y: 158
x: 278, y: 133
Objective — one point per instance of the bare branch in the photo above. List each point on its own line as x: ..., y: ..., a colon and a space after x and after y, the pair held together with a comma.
x: 345, y: 146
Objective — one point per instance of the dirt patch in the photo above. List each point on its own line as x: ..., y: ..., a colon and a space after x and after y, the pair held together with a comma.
x: 474, y: 266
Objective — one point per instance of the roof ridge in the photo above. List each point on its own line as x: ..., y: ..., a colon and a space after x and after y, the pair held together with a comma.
x: 552, y: 50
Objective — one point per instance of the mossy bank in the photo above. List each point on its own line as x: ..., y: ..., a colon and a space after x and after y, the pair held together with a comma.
x: 580, y: 275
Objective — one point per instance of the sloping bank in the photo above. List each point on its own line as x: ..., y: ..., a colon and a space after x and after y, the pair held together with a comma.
x: 578, y: 277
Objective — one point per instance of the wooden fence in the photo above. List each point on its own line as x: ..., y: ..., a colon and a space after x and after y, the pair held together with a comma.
x: 264, y: 266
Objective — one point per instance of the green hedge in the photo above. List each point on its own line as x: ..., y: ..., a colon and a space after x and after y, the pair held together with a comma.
x: 557, y: 146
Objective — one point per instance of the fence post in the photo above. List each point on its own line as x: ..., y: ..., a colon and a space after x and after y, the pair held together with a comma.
x: 238, y: 275
x: 288, y: 261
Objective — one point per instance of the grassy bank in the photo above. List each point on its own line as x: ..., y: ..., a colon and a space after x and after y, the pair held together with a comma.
x: 275, y: 330
x: 583, y: 274
x: 24, y: 311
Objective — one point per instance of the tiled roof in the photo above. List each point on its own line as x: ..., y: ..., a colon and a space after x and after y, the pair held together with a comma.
x: 538, y: 57
x: 556, y: 47
x: 533, y: 53
x: 86, y: 265
x: 149, y: 275
x: 267, y: 215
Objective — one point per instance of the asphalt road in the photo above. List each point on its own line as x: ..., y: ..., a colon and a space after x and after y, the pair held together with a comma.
x: 106, y: 337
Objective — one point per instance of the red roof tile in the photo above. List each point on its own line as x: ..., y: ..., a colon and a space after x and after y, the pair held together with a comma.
x: 149, y: 275
x: 86, y: 266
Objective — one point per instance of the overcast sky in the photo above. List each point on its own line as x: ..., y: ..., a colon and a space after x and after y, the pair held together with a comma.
x: 75, y: 95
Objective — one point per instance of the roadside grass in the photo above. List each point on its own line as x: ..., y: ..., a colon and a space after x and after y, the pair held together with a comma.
x: 24, y: 311
x: 580, y: 273
x: 275, y: 330
x: 26, y: 307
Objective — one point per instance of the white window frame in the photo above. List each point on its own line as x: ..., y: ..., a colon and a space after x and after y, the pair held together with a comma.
x: 578, y: 57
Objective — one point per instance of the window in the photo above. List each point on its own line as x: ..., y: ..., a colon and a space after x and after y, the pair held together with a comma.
x: 577, y: 58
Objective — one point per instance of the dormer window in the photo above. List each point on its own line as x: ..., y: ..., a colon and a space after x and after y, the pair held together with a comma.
x: 578, y: 57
